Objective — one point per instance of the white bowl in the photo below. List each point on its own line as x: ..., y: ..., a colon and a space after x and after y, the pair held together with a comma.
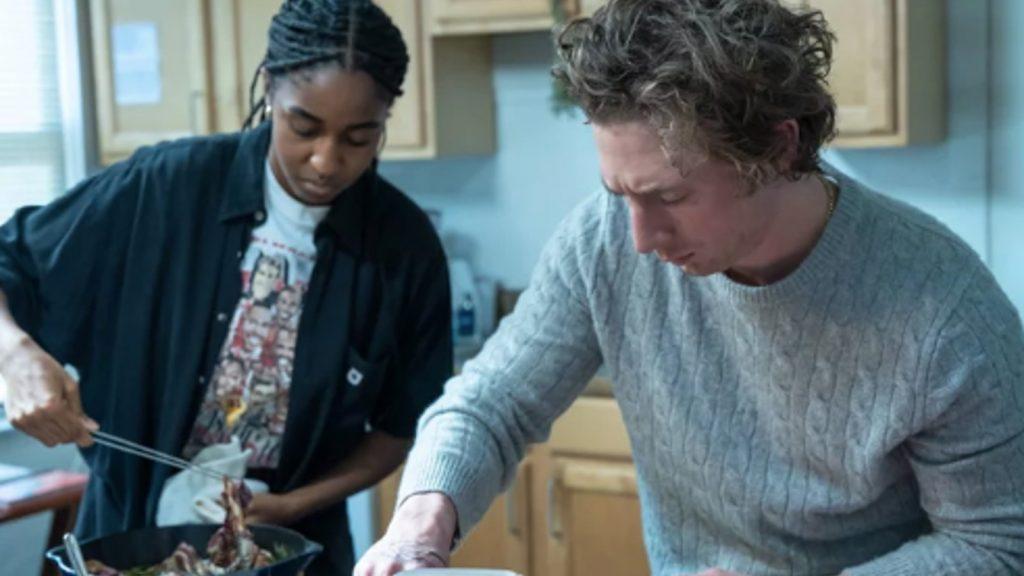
x: 456, y: 572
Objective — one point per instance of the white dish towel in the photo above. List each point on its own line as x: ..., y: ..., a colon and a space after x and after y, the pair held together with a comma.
x: 193, y: 498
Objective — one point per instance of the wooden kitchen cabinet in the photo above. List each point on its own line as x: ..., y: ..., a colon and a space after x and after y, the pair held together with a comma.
x: 237, y: 49
x: 590, y: 509
x: 573, y: 509
x: 490, y: 16
x: 448, y: 106
x: 159, y: 88
x: 888, y: 73
x: 212, y: 48
x: 593, y: 522
x: 587, y: 7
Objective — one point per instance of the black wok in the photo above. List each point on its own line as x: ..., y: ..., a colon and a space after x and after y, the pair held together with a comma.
x: 150, y: 546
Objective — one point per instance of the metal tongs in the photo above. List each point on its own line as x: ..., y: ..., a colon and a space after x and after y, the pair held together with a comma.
x: 75, y: 555
x: 127, y: 446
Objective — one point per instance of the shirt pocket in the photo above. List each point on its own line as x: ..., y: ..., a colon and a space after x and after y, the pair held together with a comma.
x: 359, y: 387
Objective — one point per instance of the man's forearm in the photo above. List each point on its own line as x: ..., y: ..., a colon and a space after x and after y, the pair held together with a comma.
x: 377, y: 455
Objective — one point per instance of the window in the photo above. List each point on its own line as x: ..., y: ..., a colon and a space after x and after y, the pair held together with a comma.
x: 40, y: 104
x: 31, y: 139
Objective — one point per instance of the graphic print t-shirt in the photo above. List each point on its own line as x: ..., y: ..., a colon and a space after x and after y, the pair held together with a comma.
x: 248, y: 394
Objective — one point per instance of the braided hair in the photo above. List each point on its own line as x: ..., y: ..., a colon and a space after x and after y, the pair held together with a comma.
x: 307, y: 34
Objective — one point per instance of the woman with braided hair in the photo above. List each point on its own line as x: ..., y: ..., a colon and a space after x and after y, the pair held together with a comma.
x: 266, y: 285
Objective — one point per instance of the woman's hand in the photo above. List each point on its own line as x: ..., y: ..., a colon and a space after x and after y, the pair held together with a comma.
x: 277, y: 509
x: 43, y: 400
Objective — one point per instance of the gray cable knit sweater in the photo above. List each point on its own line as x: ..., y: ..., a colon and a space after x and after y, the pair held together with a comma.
x: 865, y: 414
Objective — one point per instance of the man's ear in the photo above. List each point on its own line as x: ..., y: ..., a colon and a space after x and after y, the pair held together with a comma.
x: 788, y: 134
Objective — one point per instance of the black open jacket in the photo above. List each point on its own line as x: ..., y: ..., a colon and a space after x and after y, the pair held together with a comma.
x: 132, y: 277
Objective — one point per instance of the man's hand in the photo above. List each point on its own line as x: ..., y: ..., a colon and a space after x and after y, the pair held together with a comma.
x: 419, y: 536
x: 277, y: 509
x: 42, y: 399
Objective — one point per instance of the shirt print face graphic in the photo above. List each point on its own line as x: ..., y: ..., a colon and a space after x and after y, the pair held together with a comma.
x: 288, y: 302
x: 230, y: 376
x: 269, y: 273
x: 284, y: 351
x: 257, y: 326
x: 263, y: 387
x: 249, y: 398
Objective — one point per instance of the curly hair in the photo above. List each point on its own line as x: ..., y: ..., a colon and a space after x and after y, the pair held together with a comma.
x: 711, y: 76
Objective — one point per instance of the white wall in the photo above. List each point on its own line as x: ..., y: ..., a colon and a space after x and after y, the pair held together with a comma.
x: 505, y: 206
x: 1007, y: 146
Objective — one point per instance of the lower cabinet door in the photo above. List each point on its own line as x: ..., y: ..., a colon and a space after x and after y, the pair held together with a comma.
x: 593, y: 519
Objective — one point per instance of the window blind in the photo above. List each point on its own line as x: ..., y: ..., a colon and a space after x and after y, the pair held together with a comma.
x: 31, y: 140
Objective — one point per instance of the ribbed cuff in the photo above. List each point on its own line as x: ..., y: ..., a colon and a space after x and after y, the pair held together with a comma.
x: 459, y: 473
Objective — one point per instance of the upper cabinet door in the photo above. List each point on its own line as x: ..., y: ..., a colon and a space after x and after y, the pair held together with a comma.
x: 863, y: 77
x: 238, y: 48
x: 150, y: 67
x: 588, y: 7
x: 593, y: 519
x: 238, y: 44
x: 889, y: 71
x: 487, y: 16
x: 406, y: 128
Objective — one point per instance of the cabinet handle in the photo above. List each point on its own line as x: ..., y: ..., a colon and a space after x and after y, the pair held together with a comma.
x: 554, y: 518
x: 194, y: 101
x: 512, y: 509
x: 617, y: 478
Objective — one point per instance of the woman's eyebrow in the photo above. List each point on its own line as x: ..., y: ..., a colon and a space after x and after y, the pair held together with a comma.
x: 365, y: 125
x: 299, y: 111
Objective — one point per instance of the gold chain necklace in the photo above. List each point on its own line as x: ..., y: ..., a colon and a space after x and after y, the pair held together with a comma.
x: 833, y: 195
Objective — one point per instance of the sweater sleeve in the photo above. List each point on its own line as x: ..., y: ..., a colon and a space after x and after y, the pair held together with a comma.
x: 969, y: 458
x: 471, y: 440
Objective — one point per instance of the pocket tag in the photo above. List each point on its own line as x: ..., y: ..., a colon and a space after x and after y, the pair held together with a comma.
x: 354, y: 377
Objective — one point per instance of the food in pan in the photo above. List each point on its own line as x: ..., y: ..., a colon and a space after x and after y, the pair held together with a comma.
x: 230, y: 549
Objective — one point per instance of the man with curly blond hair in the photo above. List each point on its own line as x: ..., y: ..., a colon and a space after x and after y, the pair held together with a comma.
x: 816, y: 379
